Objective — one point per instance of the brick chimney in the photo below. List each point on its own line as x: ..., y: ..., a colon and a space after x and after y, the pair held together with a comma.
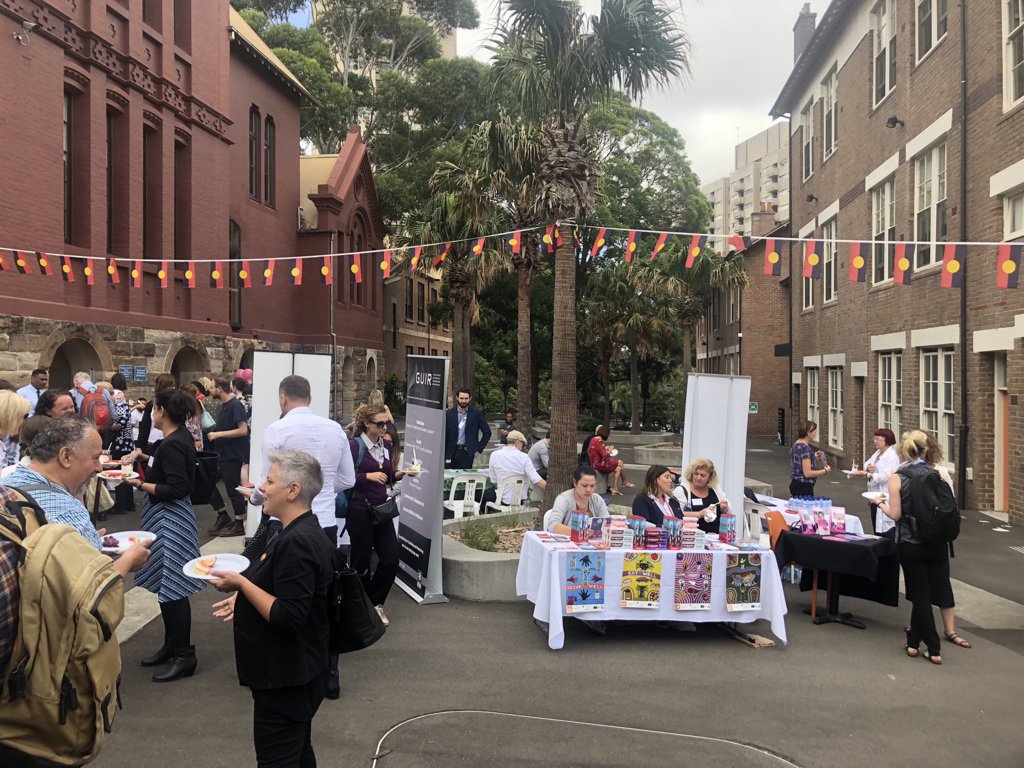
x: 763, y: 221
x: 802, y: 30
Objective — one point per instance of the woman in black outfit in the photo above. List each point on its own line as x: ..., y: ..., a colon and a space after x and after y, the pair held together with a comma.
x: 280, y: 615
x: 656, y: 502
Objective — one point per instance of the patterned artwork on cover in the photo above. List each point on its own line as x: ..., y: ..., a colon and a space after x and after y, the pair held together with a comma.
x: 693, y: 581
x: 743, y: 582
x: 641, y: 580
x: 584, y: 582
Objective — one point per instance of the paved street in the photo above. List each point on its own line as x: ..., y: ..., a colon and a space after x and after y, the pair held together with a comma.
x: 487, y: 691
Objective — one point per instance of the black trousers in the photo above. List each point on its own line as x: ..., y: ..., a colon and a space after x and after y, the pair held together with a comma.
x: 797, y: 488
x: 462, y: 458
x: 926, y: 573
x: 332, y: 659
x: 282, y: 725
x: 231, y: 476
x: 368, y: 538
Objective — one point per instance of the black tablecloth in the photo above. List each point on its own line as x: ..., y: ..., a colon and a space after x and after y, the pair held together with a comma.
x: 870, y: 568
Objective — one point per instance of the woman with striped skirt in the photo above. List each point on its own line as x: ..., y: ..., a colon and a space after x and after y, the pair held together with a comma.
x: 167, y: 512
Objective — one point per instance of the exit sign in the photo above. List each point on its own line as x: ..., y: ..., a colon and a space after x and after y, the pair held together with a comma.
x: 752, y: 407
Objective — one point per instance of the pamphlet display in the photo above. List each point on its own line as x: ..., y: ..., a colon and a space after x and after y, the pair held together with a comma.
x: 641, y: 580
x: 693, y: 581
x: 584, y: 582
x: 743, y: 582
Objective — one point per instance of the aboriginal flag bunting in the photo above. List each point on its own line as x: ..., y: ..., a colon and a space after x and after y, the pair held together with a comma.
x: 599, y: 242
x: 137, y: 274
x: 67, y: 269
x: 697, y: 245
x: 858, y: 271
x: 416, y: 252
x: 357, y: 268
x: 903, y: 263
x: 295, y: 273
x: 952, y: 266
x: 164, y: 273
x: 439, y: 259
x: 739, y: 242
x: 630, y: 245
x: 385, y: 263
x: 245, y: 275
x: 660, y: 245
x: 772, y: 258
x: 812, y: 260
x: 89, y: 270
x: 549, y: 239
x: 5, y: 261
x: 22, y: 263
x: 268, y: 272
x: 45, y: 265
x: 1009, y: 265
x: 515, y: 243
x: 326, y: 271
x: 478, y: 246
x: 217, y: 275
x: 190, y: 275
x: 113, y: 273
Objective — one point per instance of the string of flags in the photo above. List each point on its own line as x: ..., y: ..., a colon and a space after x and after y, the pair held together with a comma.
x: 261, y: 272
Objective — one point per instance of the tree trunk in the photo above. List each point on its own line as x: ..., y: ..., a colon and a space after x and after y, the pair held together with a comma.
x: 634, y: 392
x: 687, y: 348
x: 606, y: 380
x: 524, y: 367
x: 563, y: 372
x: 461, y: 361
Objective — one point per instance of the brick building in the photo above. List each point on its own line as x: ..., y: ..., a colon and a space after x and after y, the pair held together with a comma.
x: 165, y: 130
x: 408, y: 326
x: 879, y: 129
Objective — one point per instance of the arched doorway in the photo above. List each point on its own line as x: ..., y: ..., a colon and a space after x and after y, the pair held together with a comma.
x: 247, y: 357
x: 371, y: 373
x: 348, y: 388
x: 72, y: 356
x: 188, y: 365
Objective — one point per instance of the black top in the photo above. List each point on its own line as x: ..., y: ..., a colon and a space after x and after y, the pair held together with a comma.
x: 232, y: 413
x: 291, y: 648
x: 647, y: 508
x: 174, y: 467
x: 145, y: 426
x: 478, y: 431
x: 697, y: 504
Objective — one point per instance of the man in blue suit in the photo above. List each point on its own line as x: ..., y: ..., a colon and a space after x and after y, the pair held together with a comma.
x: 466, y: 432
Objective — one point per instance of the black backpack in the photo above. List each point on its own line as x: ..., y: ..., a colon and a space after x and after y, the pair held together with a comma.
x: 933, y: 514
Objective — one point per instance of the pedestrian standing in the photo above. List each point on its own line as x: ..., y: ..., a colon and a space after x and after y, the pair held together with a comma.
x: 466, y: 432
x: 803, y: 457
x: 230, y: 439
x: 37, y: 384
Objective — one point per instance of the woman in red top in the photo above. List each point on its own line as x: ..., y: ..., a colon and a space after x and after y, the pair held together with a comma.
x: 601, y: 460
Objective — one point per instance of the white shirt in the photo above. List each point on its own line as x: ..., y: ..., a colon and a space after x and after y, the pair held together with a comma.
x: 507, y: 461
x: 885, y: 462
x: 31, y: 394
x: 302, y: 430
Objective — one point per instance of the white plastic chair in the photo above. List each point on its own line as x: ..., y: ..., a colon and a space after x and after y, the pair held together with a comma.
x: 518, y: 483
x: 469, y: 483
x: 550, y: 518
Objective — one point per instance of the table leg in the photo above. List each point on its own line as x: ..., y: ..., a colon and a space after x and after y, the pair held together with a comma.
x: 834, y: 616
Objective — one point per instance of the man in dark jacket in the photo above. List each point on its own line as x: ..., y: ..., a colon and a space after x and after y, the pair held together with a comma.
x: 466, y: 432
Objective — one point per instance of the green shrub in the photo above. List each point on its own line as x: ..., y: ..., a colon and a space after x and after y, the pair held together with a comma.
x: 479, y: 534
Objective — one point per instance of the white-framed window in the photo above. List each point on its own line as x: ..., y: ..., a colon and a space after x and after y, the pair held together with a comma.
x: 829, y: 114
x: 812, y: 395
x: 930, y: 204
x: 883, y: 19
x: 932, y: 23
x: 835, y: 407
x: 937, y: 414
x: 807, y: 123
x: 829, y: 261
x: 734, y: 304
x: 883, y: 229
x: 808, y: 285
x: 1013, y: 52
x: 890, y: 391
x: 1013, y: 216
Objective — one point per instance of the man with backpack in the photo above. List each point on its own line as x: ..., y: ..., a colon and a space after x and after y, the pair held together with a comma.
x: 94, y: 404
x: 59, y: 698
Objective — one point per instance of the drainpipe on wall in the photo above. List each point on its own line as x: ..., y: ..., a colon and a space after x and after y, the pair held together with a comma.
x: 334, y: 337
x: 964, y: 431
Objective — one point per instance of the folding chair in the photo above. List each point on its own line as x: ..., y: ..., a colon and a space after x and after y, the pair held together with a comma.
x: 776, y: 525
x: 469, y: 483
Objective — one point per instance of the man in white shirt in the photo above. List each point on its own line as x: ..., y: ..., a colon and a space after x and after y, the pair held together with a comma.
x: 299, y: 429
x: 539, y: 453
x: 507, y: 461
x: 36, y: 386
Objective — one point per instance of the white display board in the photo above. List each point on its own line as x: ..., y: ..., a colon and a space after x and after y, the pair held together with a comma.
x: 716, y: 428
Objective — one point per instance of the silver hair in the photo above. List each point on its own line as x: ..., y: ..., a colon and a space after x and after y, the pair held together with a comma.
x: 81, y: 376
x: 69, y: 431
x: 301, y: 468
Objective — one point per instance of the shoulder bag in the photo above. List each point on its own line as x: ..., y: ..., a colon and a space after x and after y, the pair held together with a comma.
x: 380, y: 513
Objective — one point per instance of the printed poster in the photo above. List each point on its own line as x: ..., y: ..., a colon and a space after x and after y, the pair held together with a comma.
x: 584, y: 582
x: 743, y: 582
x: 641, y: 580
x: 693, y: 581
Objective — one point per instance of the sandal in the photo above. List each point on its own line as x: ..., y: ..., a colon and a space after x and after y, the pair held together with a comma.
x: 628, y: 485
x: 912, y: 652
x: 936, y: 659
x: 955, y: 639
x: 615, y: 492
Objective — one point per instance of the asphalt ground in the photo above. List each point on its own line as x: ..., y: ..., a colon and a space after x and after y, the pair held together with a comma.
x: 471, y: 684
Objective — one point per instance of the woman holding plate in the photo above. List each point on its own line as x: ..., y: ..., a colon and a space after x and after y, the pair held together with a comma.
x: 883, y: 462
x: 167, y: 512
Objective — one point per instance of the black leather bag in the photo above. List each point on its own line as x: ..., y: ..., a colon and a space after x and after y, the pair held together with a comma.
x: 354, y: 622
x: 384, y: 513
x: 207, y: 474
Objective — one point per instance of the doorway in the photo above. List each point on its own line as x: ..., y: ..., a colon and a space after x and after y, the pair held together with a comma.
x: 188, y: 366
x: 72, y: 356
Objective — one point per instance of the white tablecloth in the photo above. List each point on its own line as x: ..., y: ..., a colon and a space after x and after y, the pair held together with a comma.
x: 541, y: 577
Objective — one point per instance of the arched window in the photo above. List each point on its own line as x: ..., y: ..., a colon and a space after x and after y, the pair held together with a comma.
x: 254, y: 152
x: 268, y: 162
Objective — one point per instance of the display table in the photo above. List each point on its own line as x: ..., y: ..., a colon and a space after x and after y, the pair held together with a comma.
x: 542, y: 575
x: 868, y: 569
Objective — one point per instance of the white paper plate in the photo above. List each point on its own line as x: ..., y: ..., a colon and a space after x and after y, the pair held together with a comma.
x: 245, y: 489
x: 613, y: 452
x: 118, y: 478
x: 230, y: 562
x: 123, y: 544
x: 850, y: 472
x: 872, y: 495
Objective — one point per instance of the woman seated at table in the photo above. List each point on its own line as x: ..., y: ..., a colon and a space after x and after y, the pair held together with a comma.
x: 701, y: 496
x: 581, y: 496
x: 601, y: 460
x: 656, y: 501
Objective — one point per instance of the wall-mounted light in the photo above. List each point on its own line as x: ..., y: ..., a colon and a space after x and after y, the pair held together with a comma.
x: 811, y: 199
x: 893, y: 121
x: 26, y: 31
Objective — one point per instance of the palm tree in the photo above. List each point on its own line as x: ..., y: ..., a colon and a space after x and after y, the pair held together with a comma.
x: 557, y: 65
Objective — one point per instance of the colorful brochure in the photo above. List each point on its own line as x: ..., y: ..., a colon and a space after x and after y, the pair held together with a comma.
x: 584, y: 582
x: 693, y: 581
x: 743, y: 582
x: 641, y: 580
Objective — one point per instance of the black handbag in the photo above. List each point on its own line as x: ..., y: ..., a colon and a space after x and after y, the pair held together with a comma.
x: 207, y: 474
x: 384, y: 513
x: 353, y: 620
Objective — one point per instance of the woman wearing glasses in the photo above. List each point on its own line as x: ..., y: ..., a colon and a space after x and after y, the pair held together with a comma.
x: 374, y: 473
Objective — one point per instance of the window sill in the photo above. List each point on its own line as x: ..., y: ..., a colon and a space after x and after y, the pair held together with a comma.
x: 930, y: 51
x: 1010, y: 110
x: 885, y: 98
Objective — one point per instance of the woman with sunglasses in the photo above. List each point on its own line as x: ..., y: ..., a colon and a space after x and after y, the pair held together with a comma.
x: 374, y: 473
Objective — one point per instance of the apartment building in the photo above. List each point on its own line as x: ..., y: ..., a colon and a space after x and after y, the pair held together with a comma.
x: 409, y: 328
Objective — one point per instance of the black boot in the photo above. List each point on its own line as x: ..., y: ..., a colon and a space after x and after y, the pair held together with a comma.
x: 166, y: 653
x: 182, y: 665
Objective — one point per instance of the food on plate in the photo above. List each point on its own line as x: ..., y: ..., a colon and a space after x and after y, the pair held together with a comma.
x: 204, y: 565
x: 415, y: 468
x: 111, y: 542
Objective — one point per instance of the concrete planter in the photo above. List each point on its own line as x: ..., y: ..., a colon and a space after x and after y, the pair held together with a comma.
x: 473, y: 574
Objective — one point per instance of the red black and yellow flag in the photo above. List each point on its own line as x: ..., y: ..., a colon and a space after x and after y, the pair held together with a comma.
x: 1009, y: 265
x: 903, y: 263
x: 549, y: 238
x: 268, y: 272
x: 439, y: 259
x: 558, y: 235
x: 478, y: 246
x: 190, y: 275
x: 164, y: 273
x: 515, y: 243
x: 245, y: 275
x: 660, y: 245
x: 295, y: 273
x: 952, y: 265
x: 697, y: 245
x: 217, y: 275
x: 772, y: 258
x: 385, y: 263
x: 137, y: 274
x: 327, y: 271
x: 22, y: 263
x: 812, y: 260
x: 416, y: 252
x: 858, y: 270
x: 739, y: 242
x: 89, y: 270
x: 599, y: 242
x: 45, y: 264
x: 113, y: 273
x: 5, y: 263
x: 67, y: 270
x: 357, y: 267
x: 630, y: 245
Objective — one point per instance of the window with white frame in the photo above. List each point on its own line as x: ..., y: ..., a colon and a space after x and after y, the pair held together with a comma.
x: 932, y: 23
x: 734, y: 305
x: 808, y: 284
x: 937, y: 415
x: 835, y: 407
x: 883, y: 229
x: 829, y: 114
x: 884, y: 24
x: 930, y: 204
x: 812, y: 395
x: 1013, y: 52
x: 807, y: 123
x: 890, y: 391
x: 830, y: 258
x: 1013, y: 216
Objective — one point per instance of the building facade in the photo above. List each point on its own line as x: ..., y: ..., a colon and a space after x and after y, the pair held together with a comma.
x: 409, y: 328
x: 886, y: 147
